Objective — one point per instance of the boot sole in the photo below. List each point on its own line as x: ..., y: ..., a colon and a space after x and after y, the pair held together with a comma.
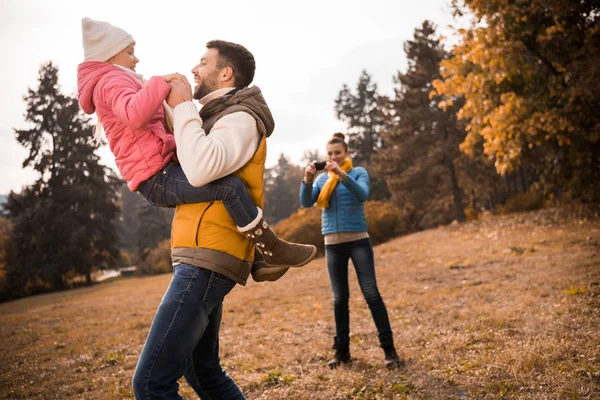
x: 264, y: 275
x: 340, y: 364
x: 302, y: 264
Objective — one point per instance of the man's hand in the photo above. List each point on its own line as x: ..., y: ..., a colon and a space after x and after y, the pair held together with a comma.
x: 181, y: 91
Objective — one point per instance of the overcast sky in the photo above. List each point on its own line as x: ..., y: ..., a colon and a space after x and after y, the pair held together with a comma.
x: 305, y: 51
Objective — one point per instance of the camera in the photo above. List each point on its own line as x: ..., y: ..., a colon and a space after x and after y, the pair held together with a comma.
x: 320, y: 165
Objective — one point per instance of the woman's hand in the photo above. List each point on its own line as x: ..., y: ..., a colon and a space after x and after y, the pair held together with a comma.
x: 335, y: 168
x: 309, y: 173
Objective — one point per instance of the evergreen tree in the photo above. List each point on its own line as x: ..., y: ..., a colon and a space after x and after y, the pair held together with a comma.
x: 142, y: 227
x: 153, y: 227
x: 362, y: 114
x: 418, y: 161
x: 65, y: 222
x: 282, y: 184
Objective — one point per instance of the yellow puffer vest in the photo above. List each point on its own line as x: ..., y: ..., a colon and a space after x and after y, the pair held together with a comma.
x: 204, y: 234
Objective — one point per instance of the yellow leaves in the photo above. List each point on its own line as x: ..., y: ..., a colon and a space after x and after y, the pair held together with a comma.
x: 509, y: 106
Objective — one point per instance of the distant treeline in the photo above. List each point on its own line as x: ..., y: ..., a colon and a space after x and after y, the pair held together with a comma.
x: 505, y: 120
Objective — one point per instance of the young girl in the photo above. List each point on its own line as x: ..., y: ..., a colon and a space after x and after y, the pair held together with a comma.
x: 132, y: 114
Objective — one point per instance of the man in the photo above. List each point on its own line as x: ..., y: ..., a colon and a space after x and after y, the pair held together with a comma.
x: 209, y: 254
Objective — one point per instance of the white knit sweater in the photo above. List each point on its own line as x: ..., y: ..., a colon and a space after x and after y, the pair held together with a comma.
x: 232, y: 142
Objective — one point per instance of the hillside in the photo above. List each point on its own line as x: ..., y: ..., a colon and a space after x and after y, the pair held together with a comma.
x: 506, y: 307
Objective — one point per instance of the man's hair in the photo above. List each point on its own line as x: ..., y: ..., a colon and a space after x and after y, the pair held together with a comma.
x: 238, y: 58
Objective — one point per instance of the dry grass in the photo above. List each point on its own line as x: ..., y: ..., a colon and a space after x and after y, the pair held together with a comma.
x: 500, y: 308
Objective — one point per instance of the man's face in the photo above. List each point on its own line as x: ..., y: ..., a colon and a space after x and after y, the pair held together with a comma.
x: 206, y: 74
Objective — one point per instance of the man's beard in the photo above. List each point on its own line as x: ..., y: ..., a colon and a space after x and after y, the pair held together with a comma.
x: 207, y: 86
x: 201, y: 91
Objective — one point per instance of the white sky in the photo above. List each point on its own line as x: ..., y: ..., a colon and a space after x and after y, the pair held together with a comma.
x: 305, y: 51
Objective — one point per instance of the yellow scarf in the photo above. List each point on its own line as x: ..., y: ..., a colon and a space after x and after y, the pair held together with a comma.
x: 331, y: 184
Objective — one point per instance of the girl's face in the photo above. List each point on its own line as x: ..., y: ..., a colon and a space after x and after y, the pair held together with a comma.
x: 126, y: 58
x: 336, y: 152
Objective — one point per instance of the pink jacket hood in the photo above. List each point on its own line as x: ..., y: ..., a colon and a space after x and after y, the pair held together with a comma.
x: 88, y: 76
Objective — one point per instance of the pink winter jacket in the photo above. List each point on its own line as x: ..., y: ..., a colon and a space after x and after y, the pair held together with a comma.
x: 132, y: 116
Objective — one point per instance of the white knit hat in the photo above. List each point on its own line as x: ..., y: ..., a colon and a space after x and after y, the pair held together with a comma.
x: 102, y: 41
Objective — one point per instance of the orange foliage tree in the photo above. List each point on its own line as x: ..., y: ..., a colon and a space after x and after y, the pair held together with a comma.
x: 528, y: 72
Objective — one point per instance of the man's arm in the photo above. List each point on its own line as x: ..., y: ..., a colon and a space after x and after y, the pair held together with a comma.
x: 232, y: 142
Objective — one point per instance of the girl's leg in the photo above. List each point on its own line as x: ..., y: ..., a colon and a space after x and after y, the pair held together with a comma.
x: 361, y: 252
x: 170, y: 188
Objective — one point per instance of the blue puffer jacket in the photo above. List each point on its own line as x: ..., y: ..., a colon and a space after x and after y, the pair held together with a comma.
x: 345, y: 212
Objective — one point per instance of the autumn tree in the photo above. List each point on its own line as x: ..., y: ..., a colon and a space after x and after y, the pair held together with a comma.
x: 528, y: 72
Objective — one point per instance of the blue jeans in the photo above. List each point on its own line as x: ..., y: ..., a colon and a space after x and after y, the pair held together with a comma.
x: 170, y: 187
x: 184, y: 340
x: 361, y: 253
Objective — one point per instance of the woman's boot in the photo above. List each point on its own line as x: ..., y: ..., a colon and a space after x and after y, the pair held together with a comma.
x: 392, y: 360
x: 277, y: 252
x: 342, y: 355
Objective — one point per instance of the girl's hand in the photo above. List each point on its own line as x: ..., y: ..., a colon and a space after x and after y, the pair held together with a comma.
x: 309, y: 173
x: 168, y: 78
x: 181, y: 91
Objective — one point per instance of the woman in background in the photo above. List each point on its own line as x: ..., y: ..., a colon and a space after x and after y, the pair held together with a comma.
x: 340, y: 193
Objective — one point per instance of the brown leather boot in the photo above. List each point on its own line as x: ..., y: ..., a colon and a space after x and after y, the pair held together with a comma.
x: 277, y: 252
x: 261, y: 272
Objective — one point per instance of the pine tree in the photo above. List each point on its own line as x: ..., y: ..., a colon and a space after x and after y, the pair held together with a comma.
x: 282, y: 183
x: 142, y: 227
x: 418, y: 160
x: 362, y: 114
x: 153, y: 226
x: 65, y: 222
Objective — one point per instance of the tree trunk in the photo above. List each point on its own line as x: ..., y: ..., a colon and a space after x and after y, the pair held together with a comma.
x: 58, y: 282
x: 524, y: 183
x: 460, y: 211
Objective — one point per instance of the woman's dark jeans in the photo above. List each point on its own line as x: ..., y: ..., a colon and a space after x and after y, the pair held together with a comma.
x: 170, y: 188
x: 361, y: 253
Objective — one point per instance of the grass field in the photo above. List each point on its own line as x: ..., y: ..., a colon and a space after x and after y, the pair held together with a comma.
x: 503, y: 308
